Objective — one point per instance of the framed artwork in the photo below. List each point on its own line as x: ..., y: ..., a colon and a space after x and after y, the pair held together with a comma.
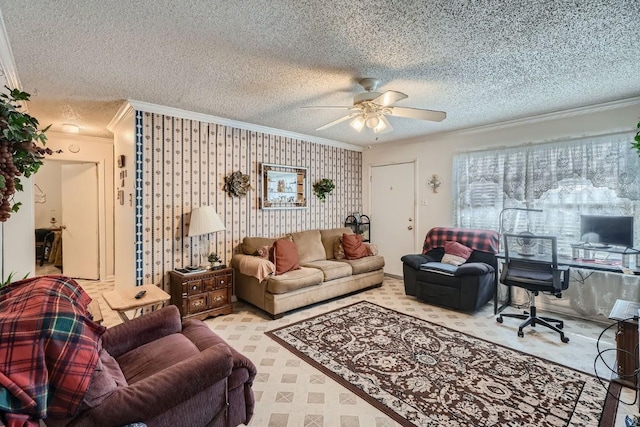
x: 283, y: 187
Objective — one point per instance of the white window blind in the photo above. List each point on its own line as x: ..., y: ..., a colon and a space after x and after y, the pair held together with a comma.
x: 595, y: 176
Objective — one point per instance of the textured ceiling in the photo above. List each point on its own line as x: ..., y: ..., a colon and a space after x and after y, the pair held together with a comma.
x: 260, y: 61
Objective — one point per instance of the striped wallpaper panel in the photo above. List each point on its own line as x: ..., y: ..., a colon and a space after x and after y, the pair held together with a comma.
x: 184, y: 163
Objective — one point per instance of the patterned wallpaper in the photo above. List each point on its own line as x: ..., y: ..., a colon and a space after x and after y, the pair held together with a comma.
x: 184, y: 163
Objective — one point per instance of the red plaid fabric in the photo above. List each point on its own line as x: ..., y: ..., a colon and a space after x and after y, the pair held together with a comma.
x: 48, y: 349
x: 479, y: 240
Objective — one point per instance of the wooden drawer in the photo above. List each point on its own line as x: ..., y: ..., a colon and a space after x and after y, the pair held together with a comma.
x: 218, y: 298
x: 196, y: 304
x: 192, y: 287
x: 223, y: 281
x: 208, y: 283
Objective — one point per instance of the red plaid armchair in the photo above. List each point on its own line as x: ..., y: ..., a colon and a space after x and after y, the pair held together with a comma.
x: 465, y: 287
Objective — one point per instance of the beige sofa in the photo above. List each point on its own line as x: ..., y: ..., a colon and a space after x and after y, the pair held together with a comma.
x: 320, y: 277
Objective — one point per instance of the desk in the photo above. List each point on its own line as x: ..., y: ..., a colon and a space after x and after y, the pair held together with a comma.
x: 596, y: 265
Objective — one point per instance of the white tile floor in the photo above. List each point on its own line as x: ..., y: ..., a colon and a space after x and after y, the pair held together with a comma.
x: 291, y: 393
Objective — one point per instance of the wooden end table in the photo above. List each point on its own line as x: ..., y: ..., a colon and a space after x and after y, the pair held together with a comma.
x: 123, y: 300
x: 625, y: 313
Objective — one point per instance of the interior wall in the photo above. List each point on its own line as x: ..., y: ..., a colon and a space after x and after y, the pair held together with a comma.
x: 124, y: 210
x: 17, y: 238
x: 184, y: 165
x: 435, y: 154
x: 49, y: 180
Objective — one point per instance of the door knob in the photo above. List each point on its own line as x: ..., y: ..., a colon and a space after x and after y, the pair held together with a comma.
x: 410, y: 227
x: 63, y: 227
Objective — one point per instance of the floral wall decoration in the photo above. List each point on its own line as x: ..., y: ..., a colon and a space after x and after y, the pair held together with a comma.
x: 237, y: 184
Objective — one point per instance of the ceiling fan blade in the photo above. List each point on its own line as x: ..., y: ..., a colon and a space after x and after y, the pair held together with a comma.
x: 389, y: 97
x: 340, y: 120
x: 416, y: 113
x: 329, y: 108
x: 384, y: 127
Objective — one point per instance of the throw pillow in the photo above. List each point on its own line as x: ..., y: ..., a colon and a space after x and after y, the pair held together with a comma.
x: 371, y: 248
x: 455, y: 253
x: 285, y: 256
x: 338, y: 248
x: 264, y: 252
x: 353, y: 246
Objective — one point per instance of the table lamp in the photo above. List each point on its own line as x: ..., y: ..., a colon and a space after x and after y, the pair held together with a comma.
x: 204, y: 220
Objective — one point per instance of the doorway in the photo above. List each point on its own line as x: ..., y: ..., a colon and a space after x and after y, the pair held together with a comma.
x: 393, y: 211
x: 66, y: 201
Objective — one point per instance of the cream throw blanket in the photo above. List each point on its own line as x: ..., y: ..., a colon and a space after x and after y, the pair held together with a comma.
x: 254, y: 266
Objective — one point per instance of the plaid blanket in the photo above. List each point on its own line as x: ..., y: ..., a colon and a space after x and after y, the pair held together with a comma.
x: 479, y: 240
x: 48, y: 350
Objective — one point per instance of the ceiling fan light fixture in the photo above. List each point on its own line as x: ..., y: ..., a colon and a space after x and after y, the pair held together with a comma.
x: 358, y: 123
x: 380, y: 127
x: 372, y: 121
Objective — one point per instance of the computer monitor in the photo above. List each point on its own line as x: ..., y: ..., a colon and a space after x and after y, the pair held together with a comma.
x: 607, y: 230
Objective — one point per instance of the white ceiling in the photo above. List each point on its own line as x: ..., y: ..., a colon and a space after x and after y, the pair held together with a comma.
x: 260, y: 61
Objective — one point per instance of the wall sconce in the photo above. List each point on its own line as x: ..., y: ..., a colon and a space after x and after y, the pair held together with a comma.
x: 434, y: 183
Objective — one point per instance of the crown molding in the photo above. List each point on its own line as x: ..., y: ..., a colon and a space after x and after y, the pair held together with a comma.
x: 190, y: 115
x: 125, y: 109
x: 556, y: 115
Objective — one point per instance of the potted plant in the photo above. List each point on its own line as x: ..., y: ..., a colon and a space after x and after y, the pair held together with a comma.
x: 636, y: 143
x: 21, y: 148
x: 214, y: 260
x: 322, y: 188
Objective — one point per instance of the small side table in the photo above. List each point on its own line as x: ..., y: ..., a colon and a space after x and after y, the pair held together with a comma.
x: 626, y: 341
x: 124, y: 300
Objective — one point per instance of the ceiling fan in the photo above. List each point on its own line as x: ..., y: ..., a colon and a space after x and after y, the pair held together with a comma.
x: 371, y: 108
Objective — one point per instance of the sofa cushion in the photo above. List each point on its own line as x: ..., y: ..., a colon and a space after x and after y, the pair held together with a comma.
x: 440, y: 268
x: 310, y: 246
x: 292, y: 280
x: 155, y: 356
x: 455, y: 253
x: 251, y: 244
x: 365, y: 265
x: 285, y: 256
x: 265, y: 252
x: 331, y: 269
x: 354, y: 248
x: 329, y: 238
x: 338, y: 249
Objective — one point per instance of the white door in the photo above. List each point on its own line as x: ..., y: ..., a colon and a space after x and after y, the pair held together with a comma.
x: 393, y: 209
x: 80, y: 221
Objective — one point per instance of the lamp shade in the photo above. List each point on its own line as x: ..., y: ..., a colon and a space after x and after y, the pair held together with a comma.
x: 204, y: 220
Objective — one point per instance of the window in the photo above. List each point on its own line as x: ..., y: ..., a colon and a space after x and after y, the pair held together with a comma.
x: 597, y: 176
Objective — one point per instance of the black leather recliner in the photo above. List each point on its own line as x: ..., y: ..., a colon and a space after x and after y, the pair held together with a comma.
x: 466, y: 287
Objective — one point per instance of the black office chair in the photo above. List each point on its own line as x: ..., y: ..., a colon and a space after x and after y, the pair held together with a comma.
x: 44, y: 243
x: 531, y: 263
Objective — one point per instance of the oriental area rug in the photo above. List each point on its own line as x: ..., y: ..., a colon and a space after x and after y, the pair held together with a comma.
x: 423, y: 374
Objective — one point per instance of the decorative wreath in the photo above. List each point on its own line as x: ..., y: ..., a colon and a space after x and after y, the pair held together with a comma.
x: 237, y: 184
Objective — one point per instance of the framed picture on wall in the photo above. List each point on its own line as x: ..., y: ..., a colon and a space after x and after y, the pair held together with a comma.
x: 283, y: 187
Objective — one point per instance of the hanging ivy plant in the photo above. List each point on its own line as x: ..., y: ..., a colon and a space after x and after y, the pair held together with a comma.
x: 636, y: 143
x: 21, y: 148
x: 322, y: 188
